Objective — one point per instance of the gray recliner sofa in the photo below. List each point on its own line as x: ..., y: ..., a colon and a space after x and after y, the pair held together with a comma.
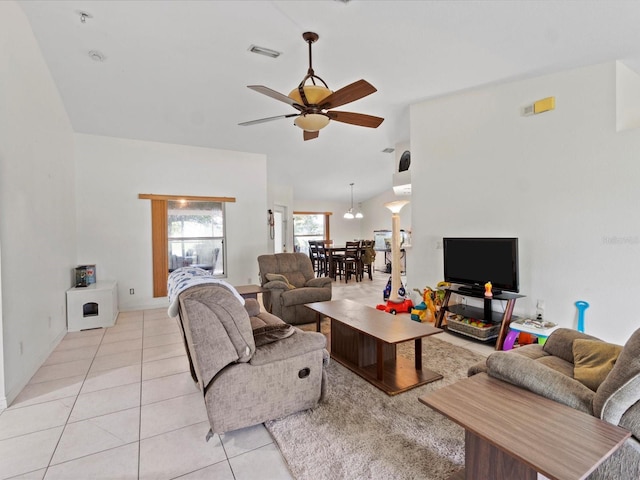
x: 250, y: 366
x: 548, y: 370
x: 285, y: 297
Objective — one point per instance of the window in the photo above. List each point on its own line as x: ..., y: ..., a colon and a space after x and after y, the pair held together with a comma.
x: 196, y: 235
x: 309, y: 226
x: 186, y: 231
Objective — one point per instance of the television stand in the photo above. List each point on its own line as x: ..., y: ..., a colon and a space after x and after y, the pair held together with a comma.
x: 504, y: 319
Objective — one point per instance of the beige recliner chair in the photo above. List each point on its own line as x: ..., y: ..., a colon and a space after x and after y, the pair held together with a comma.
x: 250, y: 366
x: 290, y: 282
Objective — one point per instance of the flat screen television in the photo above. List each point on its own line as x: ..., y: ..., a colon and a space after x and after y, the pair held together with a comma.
x: 473, y: 262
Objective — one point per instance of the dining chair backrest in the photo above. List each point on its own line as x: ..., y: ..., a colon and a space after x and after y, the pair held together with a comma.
x: 352, y: 249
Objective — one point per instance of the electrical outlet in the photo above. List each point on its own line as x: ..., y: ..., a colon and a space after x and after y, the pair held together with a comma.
x: 21, y: 348
x: 439, y: 245
x: 249, y: 280
x: 49, y: 321
x: 132, y: 291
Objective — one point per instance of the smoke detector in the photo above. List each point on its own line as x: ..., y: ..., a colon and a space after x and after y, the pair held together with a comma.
x: 96, y: 56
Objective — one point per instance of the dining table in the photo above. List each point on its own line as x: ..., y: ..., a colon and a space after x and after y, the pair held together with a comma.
x: 333, y: 254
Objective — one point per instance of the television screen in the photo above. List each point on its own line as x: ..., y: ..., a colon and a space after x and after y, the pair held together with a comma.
x: 476, y: 261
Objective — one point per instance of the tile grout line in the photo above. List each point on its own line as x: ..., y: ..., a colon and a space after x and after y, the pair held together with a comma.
x: 140, y: 396
x: 64, y: 427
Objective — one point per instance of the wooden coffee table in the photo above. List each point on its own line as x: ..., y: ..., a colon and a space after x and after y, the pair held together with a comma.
x: 512, y: 433
x: 364, y: 340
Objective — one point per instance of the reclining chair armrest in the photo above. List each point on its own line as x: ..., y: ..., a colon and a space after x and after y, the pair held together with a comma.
x: 622, y: 400
x: 276, y: 285
x: 252, y: 307
x: 540, y: 379
x: 321, y: 282
x: 297, y: 344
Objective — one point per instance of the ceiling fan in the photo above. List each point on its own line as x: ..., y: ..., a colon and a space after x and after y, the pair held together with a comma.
x: 314, y: 102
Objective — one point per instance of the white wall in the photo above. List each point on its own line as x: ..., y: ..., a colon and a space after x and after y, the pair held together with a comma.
x: 3, y: 398
x: 37, y: 209
x: 114, y: 226
x: 280, y: 195
x: 564, y: 182
x: 627, y: 98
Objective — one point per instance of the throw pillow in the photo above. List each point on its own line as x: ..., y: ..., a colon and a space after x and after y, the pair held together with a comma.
x: 593, y: 360
x: 276, y: 277
x: 272, y: 333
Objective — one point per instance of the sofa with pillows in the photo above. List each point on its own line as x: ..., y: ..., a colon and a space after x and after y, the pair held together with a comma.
x: 250, y: 366
x: 587, y: 374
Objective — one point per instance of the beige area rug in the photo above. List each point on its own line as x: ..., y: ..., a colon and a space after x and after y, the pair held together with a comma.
x: 359, y: 432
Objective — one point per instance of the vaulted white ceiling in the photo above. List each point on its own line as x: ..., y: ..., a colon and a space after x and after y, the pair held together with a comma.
x: 177, y: 71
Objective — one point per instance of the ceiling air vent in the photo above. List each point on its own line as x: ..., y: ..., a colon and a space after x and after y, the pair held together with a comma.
x: 267, y: 52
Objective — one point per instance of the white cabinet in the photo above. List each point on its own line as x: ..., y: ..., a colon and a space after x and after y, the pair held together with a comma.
x: 93, y: 306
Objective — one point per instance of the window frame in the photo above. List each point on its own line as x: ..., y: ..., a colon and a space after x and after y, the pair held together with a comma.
x: 160, y: 235
x: 327, y: 224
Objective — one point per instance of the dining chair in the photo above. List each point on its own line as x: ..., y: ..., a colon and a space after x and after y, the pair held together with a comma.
x: 323, y: 259
x: 314, y: 256
x: 352, y: 261
x: 367, y: 258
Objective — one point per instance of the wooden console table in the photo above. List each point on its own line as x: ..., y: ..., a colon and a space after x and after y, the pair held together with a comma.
x: 512, y: 433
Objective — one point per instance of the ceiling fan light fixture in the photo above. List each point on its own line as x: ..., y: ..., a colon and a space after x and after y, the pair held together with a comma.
x: 311, y: 122
x: 314, y: 94
x: 349, y: 215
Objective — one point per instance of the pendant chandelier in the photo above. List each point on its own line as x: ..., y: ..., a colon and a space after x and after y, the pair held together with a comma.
x: 350, y: 214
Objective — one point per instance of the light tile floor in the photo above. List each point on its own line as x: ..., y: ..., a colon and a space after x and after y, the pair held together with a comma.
x: 119, y: 403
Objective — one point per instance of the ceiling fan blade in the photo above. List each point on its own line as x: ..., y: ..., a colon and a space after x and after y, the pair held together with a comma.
x: 310, y: 135
x: 277, y: 95
x: 350, y: 93
x: 268, y: 119
x: 355, y: 119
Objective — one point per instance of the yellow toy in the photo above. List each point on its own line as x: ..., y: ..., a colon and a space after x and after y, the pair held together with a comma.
x: 426, y: 313
x: 419, y: 312
x: 431, y: 300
